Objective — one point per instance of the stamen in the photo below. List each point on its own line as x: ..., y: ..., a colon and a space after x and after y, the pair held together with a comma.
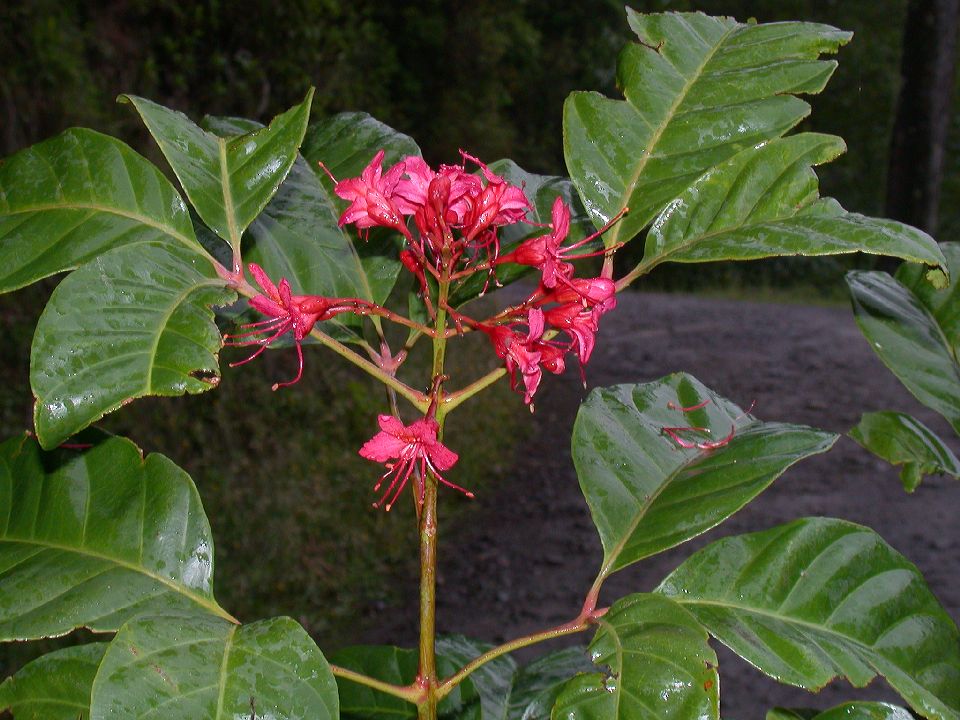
x: 674, y: 406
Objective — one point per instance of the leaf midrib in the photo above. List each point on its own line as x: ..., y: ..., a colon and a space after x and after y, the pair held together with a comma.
x: 647, y: 153
x: 146, y: 220
x: 210, y: 605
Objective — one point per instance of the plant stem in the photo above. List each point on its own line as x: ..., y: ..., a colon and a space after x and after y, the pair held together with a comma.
x: 453, y: 400
x: 578, y: 624
x: 410, y: 693
x: 427, y: 673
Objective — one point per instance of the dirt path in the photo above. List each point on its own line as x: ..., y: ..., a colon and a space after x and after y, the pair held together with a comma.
x: 531, y: 551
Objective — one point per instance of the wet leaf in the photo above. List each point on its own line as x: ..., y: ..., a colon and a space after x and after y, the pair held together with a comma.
x: 228, y: 180
x: 909, y: 339
x: 647, y: 493
x: 903, y: 440
x: 69, y: 199
x: 55, y: 686
x: 698, y: 90
x: 78, y: 547
x: 817, y: 599
x: 190, y: 666
x: 135, y: 322
x: 764, y: 202
x: 661, y: 667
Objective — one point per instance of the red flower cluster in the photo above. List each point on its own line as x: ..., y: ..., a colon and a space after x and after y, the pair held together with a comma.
x: 457, y: 213
x: 450, y: 219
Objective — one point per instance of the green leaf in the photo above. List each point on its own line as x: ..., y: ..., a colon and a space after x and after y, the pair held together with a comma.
x: 228, y: 180
x: 865, y: 711
x: 942, y: 302
x: 89, y: 538
x: 903, y: 440
x: 188, y: 666
x: 820, y: 598
x: 396, y: 666
x: 55, y: 686
x: 135, y: 322
x: 537, y: 685
x: 661, y: 667
x: 847, y: 711
x: 764, y: 202
x: 492, y: 681
x: 792, y: 714
x: 647, y: 493
x: 541, y: 190
x: 698, y: 90
x: 909, y: 340
x: 66, y: 200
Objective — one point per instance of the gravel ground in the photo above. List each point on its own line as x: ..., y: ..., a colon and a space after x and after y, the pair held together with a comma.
x: 530, y: 551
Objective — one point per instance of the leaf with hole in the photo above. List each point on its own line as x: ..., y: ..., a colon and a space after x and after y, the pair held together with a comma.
x: 903, y: 440
x: 135, y: 322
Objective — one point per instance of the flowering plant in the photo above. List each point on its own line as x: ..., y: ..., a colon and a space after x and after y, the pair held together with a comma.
x: 285, y: 223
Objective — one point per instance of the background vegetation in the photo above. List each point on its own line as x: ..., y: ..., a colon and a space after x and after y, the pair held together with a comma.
x: 488, y: 76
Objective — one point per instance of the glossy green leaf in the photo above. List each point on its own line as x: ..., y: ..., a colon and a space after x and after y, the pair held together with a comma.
x: 89, y: 538
x: 492, y: 681
x: 396, y: 666
x: 66, y: 200
x: 865, y: 711
x: 55, y: 686
x: 536, y: 686
x: 135, y: 322
x: 647, y: 493
x: 943, y: 303
x: 698, y: 90
x: 903, y: 440
x: 661, y: 667
x: 228, y: 180
x: 847, y: 711
x: 203, y: 668
x: 764, y: 202
x: 820, y: 598
x: 541, y: 190
x: 909, y: 340
x: 792, y: 714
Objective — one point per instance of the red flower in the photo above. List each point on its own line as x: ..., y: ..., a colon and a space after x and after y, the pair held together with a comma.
x: 288, y: 313
x: 372, y: 197
x: 547, y: 253
x: 415, y: 448
x: 528, y: 355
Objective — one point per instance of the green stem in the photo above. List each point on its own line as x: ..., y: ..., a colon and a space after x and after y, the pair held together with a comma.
x: 427, y: 675
x: 453, y: 400
x: 578, y: 624
x: 410, y: 693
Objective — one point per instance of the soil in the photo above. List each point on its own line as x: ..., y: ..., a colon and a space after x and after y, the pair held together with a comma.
x: 530, y: 550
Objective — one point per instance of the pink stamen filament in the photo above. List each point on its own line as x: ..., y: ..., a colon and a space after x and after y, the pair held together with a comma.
x: 674, y: 406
